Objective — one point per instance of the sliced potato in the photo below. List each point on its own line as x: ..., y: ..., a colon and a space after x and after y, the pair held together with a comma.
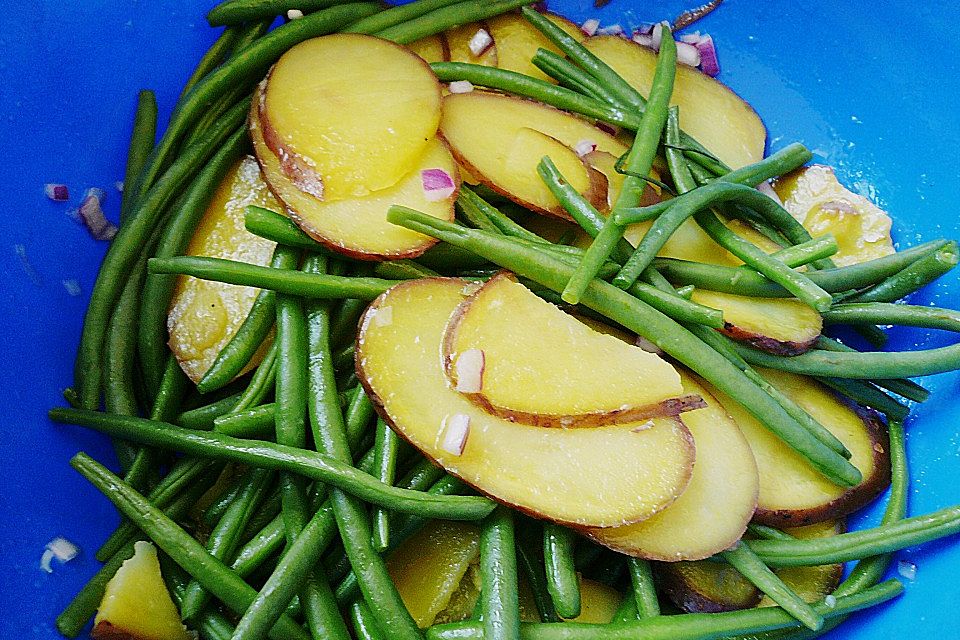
x: 537, y: 365
x: 358, y: 227
x: 783, y: 326
x: 709, y: 111
x: 602, y: 476
x: 598, y: 603
x: 811, y: 583
x: 432, y: 48
x: 136, y: 604
x: 704, y: 586
x: 792, y: 493
x: 714, y: 511
x: 204, y: 315
x: 494, y: 136
x: 518, y: 40
x: 458, y: 42
x: 815, y: 197
x: 428, y: 568
x: 346, y: 130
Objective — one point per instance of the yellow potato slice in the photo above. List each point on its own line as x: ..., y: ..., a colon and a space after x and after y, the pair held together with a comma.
x: 518, y: 40
x: 345, y: 130
x: 204, y: 315
x: 783, y: 326
x: 792, y: 493
x: 714, y: 511
x: 815, y: 197
x: 432, y: 48
x: 495, y: 137
x: 458, y: 43
x: 709, y: 111
x: 602, y: 476
x: 544, y: 367
x: 598, y: 603
x: 136, y: 604
x: 358, y: 227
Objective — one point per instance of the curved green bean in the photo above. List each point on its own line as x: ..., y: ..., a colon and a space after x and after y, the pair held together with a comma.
x: 564, y: 71
x: 920, y: 273
x: 204, y: 417
x: 141, y: 145
x: 563, y: 583
x: 902, y: 387
x: 258, y: 422
x: 501, y: 221
x: 895, y: 314
x: 261, y: 382
x: 868, y: 395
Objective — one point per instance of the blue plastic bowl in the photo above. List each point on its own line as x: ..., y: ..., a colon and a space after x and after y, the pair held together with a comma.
x: 869, y: 86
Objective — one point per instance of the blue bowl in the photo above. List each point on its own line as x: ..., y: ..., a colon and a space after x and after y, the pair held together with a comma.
x: 869, y: 87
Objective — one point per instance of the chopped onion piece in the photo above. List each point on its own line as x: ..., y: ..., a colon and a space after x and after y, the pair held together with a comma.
x: 767, y: 190
x: 93, y: 218
x: 56, y: 192
x: 691, y: 38
x: 830, y: 601
x: 470, y: 365
x: 688, y: 54
x: 644, y: 40
x: 461, y: 86
x: 644, y: 30
x: 584, y: 147
x: 437, y: 184
x: 294, y: 14
x: 648, y: 346
x: 61, y: 549
x: 454, y: 433
x: 708, y: 56
x: 657, y: 34
x: 383, y: 316
x: 907, y: 569
x: 612, y: 129
x: 97, y: 193
x: 612, y: 30
x: 590, y: 26
x: 480, y: 42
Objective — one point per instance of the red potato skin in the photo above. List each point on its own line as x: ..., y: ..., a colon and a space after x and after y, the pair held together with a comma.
x: 381, y: 411
x: 687, y: 598
x: 766, y: 343
x: 668, y: 408
x: 254, y: 121
x: 854, y: 498
x: 106, y: 631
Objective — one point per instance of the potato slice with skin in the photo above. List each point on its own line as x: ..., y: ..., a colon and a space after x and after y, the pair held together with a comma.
x: 543, y: 367
x: 785, y: 327
x: 482, y: 129
x: 357, y: 227
x: 815, y: 197
x: 458, y: 44
x: 792, y: 493
x: 681, y: 532
x: 709, y: 111
x: 136, y: 604
x: 518, y: 40
x: 204, y: 315
x: 346, y: 130
x: 618, y: 474
x: 432, y: 48
x: 811, y: 583
x: 598, y: 603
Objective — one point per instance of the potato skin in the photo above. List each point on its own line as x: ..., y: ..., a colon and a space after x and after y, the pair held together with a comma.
x: 766, y: 343
x: 854, y: 498
x: 684, y: 594
x: 106, y: 631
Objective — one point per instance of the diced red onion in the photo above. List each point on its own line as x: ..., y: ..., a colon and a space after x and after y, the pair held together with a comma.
x: 688, y: 54
x: 294, y: 14
x: 612, y: 129
x: 767, y: 190
x: 470, y: 365
x: 584, y: 147
x: 455, y: 431
x: 60, y: 549
x: 437, y: 184
x: 461, y: 86
x: 644, y: 40
x: 590, y: 26
x: 480, y: 42
x: 57, y: 192
x: 612, y: 30
x: 708, y: 56
x: 91, y: 214
x: 648, y: 346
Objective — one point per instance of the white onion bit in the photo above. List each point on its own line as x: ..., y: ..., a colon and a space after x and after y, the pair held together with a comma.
x: 60, y: 549
x: 56, y: 192
x: 907, y: 569
x: 657, y: 34
x: 688, y: 54
x: 584, y: 147
x: 93, y: 218
x: 470, y: 365
x: 454, y: 434
x: 437, y: 184
x: 480, y: 42
x: 590, y: 26
x: 611, y: 30
x: 644, y: 40
x: 830, y: 601
x: 648, y: 346
x: 461, y: 86
x: 294, y: 14
x: 766, y: 189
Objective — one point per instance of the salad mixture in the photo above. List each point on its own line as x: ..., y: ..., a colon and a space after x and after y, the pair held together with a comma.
x: 458, y: 320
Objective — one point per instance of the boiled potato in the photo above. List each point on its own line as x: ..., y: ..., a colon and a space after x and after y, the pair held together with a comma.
x: 432, y: 48
x: 518, y: 40
x: 458, y: 42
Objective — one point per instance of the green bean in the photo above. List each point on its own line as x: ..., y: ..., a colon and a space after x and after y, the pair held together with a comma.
x: 471, y: 212
x: 811, y: 251
x: 343, y: 323
x: 261, y: 382
x: 639, y: 162
x: 233, y: 12
x: 627, y: 611
x: 274, y: 456
x: 443, y: 17
x: 204, y: 417
x: 564, y: 71
x: 501, y: 221
x: 141, y: 144
x: 644, y: 591
x: 387, y: 444
x: 895, y: 314
x: 753, y: 569
x: 402, y: 270
x: 364, y: 624
x: 446, y: 258
x: 529, y: 539
x: 646, y: 321
x: 210, y: 624
x: 158, y: 289
x: 920, y: 273
x: 295, y: 283
x: 258, y: 422
x: 609, y: 568
x: 279, y: 228
x: 563, y: 584
x: 499, y: 604
x: 249, y: 338
x: 767, y: 533
x: 737, y: 281
x: 225, y: 536
x: 691, y: 626
x: 868, y: 395
x: 903, y: 387
x: 213, y: 58
x: 178, y: 544
x: 120, y: 348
